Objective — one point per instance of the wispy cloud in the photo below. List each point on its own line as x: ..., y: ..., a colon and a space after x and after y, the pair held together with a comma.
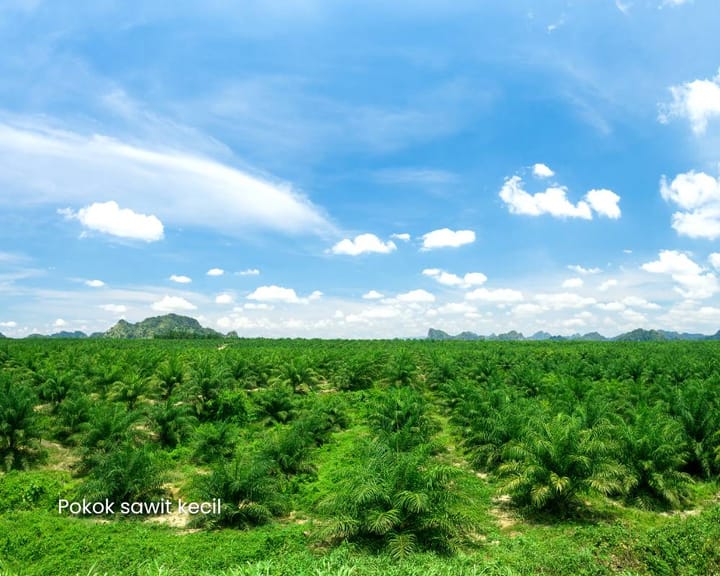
x: 42, y: 165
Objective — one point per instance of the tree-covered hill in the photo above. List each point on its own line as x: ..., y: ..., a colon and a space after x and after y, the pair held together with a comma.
x: 167, y: 326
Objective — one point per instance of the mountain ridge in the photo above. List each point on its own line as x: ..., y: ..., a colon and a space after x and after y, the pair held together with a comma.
x: 637, y: 335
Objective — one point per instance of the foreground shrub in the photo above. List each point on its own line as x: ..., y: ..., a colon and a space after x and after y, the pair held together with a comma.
x: 19, y: 427
x: 557, y: 460
x: 125, y: 474
x: 655, y: 453
x: 399, y: 501
x: 251, y: 494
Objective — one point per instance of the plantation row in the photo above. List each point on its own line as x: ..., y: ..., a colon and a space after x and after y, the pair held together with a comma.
x: 369, y: 439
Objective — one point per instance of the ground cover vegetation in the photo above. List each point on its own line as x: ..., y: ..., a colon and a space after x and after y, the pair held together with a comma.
x: 361, y: 457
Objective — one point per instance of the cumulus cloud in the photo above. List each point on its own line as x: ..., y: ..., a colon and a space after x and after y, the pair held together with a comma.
x: 173, y: 304
x: 373, y: 295
x: 274, y: 294
x: 8, y: 324
x: 604, y: 202
x: 223, y: 299
x: 637, y: 302
x: 94, y: 283
x: 253, y: 306
x: 611, y: 306
x: 605, y: 286
x: 457, y: 308
x: 562, y: 300
x: 363, y: 244
x: 416, y: 296
x: 692, y: 279
x: 554, y: 201
x: 697, y: 101
x: 114, y: 308
x: 448, y: 279
x: 404, y: 237
x: 180, y: 279
x: 249, y: 272
x: 370, y: 314
x: 674, y: 263
x: 582, y: 270
x: 698, y: 197
x: 573, y: 283
x: 446, y: 238
x: 542, y: 171
x: 315, y: 295
x: 109, y: 218
x: 497, y: 295
x: 215, y: 272
x: 178, y: 187
x: 59, y: 323
x: 714, y: 260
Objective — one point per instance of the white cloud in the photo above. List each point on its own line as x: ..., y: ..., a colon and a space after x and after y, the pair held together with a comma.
x: 369, y: 314
x: 457, y: 308
x: 697, y: 101
x: 416, y: 296
x: 114, y: 308
x: 542, y: 171
x: 674, y: 263
x: 698, y: 195
x: 179, y: 187
x: 573, y: 283
x: 180, y: 279
x: 59, y: 323
x: 693, y: 281
x: 215, y: 272
x: 581, y: 270
x: 373, y: 295
x: 604, y: 202
x: 223, y: 299
x: 714, y: 260
x: 637, y: 302
x: 404, y: 237
x: 554, y: 201
x: 249, y: 272
x: 274, y: 294
x: 109, y: 218
x: 173, y: 304
x: 363, y: 244
x: 94, y: 283
x: 527, y: 309
x: 562, y: 300
x: 315, y: 295
x: 611, y: 306
x: 446, y: 238
x: 9, y: 324
x: 605, y: 286
x: 498, y: 295
x: 448, y: 279
x: 253, y: 306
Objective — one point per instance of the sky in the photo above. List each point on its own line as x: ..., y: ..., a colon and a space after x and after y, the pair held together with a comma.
x: 317, y: 168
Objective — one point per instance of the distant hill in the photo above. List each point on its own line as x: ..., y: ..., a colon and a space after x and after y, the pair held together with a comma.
x: 638, y: 335
x: 2, y: 335
x: 66, y: 334
x: 167, y: 326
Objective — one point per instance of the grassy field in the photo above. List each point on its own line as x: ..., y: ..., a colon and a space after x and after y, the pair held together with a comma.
x: 358, y: 457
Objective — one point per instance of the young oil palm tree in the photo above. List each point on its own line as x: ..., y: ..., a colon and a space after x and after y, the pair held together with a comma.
x: 19, y: 425
x: 400, y: 501
x: 655, y: 453
x: 556, y: 461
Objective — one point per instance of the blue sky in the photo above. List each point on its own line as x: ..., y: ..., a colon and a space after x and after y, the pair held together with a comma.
x: 342, y: 169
